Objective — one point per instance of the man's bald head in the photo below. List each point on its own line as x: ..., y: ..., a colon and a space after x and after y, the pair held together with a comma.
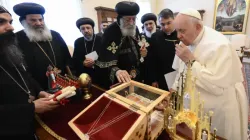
x: 188, y: 27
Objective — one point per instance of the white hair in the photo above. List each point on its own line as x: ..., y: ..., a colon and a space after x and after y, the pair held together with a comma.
x: 128, y: 30
x: 36, y: 34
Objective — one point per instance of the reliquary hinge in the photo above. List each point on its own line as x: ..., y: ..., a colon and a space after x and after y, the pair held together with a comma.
x: 112, y: 96
x: 135, y: 107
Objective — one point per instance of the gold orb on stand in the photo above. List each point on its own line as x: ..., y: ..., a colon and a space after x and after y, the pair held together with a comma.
x: 85, y: 84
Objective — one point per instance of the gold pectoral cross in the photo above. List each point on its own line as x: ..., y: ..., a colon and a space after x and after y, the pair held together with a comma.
x: 113, y: 48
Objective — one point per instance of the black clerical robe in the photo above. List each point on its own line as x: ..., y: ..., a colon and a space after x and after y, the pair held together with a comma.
x: 37, y: 61
x: 79, y: 55
x: 100, y: 34
x: 119, y: 52
x: 16, y: 113
x: 163, y: 52
x: 146, y: 64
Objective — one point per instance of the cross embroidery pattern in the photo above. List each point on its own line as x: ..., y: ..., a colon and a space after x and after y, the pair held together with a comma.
x: 143, y: 44
x: 113, y: 48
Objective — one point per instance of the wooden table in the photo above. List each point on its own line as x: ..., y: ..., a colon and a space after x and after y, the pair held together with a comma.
x: 54, y: 125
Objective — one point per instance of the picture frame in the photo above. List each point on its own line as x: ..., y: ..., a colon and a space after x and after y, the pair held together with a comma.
x: 230, y: 16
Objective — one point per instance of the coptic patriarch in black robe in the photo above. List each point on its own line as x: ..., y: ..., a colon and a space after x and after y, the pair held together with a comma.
x: 121, y: 53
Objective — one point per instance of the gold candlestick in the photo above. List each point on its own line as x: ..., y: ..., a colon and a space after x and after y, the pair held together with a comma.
x: 193, y: 116
x: 85, y: 83
x: 215, y: 134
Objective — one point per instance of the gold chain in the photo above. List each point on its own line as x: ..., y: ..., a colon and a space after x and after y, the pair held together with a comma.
x: 54, y: 64
x: 27, y: 91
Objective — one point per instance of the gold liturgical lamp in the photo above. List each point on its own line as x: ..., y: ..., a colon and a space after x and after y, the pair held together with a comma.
x: 186, y: 108
x: 85, y: 84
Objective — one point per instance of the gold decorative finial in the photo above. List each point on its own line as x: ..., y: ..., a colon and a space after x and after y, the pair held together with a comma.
x: 185, y: 107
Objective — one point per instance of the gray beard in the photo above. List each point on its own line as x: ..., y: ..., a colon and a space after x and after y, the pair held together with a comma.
x: 36, y: 35
x: 88, y: 38
x: 128, y: 31
x: 149, y: 34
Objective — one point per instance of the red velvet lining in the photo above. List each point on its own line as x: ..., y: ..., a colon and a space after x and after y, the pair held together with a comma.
x: 184, y: 131
x: 58, y: 119
x: 114, y: 132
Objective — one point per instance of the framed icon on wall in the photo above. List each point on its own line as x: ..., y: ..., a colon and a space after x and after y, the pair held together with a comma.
x: 231, y: 16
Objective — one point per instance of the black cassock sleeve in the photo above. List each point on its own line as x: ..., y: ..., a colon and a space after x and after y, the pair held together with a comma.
x: 147, y: 65
x: 109, y: 59
x: 35, y: 86
x: 117, y: 53
x: 17, y: 119
x: 65, y: 52
x: 152, y: 62
x: 78, y: 57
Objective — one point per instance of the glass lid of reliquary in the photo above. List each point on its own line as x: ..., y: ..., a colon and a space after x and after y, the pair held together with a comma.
x: 140, y: 94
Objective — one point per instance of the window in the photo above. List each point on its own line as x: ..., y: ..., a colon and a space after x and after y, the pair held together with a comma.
x: 60, y: 16
x: 145, y: 7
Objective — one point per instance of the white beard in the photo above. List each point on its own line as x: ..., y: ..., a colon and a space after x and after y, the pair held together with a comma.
x: 88, y: 38
x: 128, y: 31
x: 36, y: 35
x: 149, y: 34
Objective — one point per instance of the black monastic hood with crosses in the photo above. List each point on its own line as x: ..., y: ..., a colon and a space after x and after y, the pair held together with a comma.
x: 117, y: 51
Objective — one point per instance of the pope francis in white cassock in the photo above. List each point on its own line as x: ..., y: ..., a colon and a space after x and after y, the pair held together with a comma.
x: 217, y: 68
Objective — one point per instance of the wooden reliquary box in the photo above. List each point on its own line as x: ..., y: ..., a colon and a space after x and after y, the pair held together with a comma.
x: 124, y: 112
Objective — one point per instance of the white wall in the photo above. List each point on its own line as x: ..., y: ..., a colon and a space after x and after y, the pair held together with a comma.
x: 207, y: 5
x: 154, y: 6
x: 59, y: 18
x: 88, y: 7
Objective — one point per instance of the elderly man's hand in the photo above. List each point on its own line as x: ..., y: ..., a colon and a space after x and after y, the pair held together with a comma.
x: 44, y: 104
x: 123, y: 76
x: 184, y: 53
x: 44, y: 94
x: 155, y: 84
x: 143, y: 52
x: 88, y: 62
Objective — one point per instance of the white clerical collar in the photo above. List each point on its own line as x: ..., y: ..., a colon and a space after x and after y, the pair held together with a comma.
x: 170, y: 32
x: 198, y: 38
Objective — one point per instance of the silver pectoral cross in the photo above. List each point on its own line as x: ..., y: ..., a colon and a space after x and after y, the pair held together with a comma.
x: 31, y: 98
x: 142, y: 59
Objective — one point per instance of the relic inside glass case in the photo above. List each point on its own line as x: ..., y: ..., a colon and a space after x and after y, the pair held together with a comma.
x: 133, y: 103
x: 138, y: 95
x: 145, y: 98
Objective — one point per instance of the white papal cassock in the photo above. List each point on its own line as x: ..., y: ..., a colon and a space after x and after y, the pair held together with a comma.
x: 219, y: 80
